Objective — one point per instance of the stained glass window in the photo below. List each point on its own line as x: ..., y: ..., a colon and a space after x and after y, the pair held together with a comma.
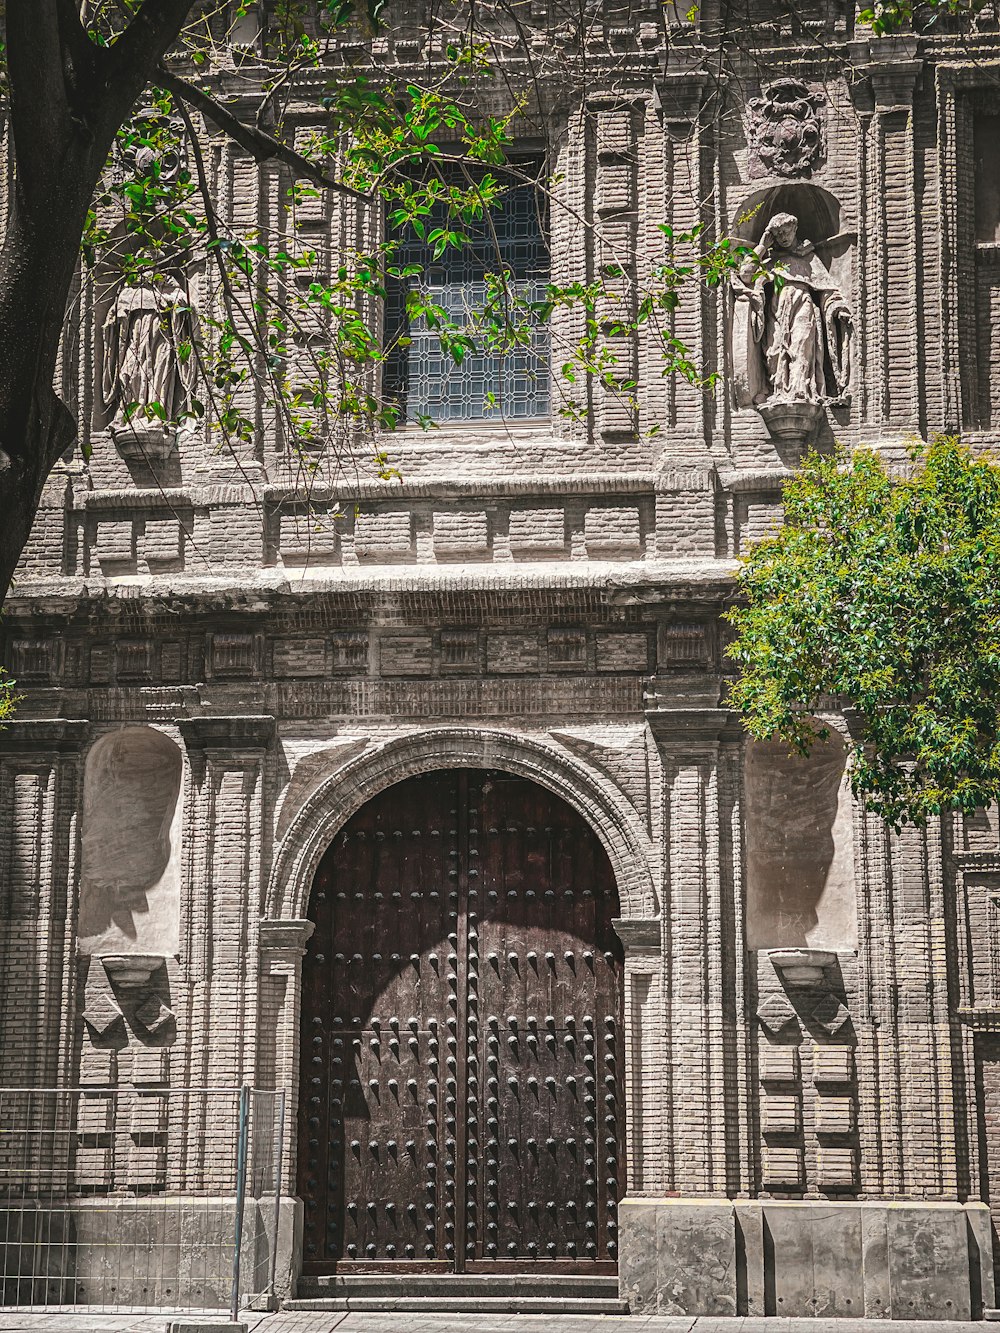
x: 489, y: 385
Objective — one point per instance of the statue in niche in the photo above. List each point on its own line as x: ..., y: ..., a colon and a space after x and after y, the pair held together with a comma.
x: 141, y: 365
x: 792, y: 326
x: 147, y: 320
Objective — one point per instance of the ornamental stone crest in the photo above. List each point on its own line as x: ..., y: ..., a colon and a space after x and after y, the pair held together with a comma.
x: 785, y: 129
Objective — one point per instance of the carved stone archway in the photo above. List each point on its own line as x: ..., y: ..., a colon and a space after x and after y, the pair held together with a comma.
x: 337, y: 797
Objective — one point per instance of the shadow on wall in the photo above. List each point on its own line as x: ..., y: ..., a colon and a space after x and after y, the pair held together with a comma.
x: 800, y: 847
x: 130, y: 891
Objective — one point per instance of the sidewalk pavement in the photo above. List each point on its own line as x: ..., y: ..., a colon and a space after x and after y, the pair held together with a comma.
x: 318, y: 1321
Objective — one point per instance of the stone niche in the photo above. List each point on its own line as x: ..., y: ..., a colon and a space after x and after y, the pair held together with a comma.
x: 799, y: 848
x: 130, y: 880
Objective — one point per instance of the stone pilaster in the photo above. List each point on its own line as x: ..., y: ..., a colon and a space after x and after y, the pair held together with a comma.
x: 224, y: 895
x: 891, y: 240
x: 647, y: 1074
x: 704, y: 951
x: 680, y: 100
x: 41, y: 770
x: 282, y: 946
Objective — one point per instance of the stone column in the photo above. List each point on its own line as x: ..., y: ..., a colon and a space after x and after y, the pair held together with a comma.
x: 678, y: 1251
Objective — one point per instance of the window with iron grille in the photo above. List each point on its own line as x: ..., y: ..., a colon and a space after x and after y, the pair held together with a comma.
x: 501, y: 384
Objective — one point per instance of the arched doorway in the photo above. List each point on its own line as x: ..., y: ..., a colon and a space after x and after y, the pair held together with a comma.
x: 461, y: 1063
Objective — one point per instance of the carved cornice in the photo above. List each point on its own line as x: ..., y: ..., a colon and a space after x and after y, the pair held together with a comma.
x: 41, y: 736
x: 227, y: 732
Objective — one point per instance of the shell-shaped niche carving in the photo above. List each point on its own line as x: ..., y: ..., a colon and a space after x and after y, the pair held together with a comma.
x: 800, y: 848
x: 130, y: 881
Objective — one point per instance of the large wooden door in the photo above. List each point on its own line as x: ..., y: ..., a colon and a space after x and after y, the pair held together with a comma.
x: 461, y: 1074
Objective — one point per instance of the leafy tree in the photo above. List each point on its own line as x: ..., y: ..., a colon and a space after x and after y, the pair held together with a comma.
x: 883, y: 591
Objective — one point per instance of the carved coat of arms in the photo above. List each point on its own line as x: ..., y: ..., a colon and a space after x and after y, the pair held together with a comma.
x: 785, y: 128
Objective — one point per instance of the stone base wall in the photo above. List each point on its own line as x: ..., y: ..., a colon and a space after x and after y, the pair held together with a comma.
x: 828, y: 1259
x: 161, y: 1252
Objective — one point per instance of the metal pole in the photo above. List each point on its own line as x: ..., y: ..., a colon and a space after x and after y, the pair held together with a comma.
x: 279, y: 1143
x: 241, y: 1186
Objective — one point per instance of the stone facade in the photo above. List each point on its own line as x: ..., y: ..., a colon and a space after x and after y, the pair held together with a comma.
x: 217, y: 677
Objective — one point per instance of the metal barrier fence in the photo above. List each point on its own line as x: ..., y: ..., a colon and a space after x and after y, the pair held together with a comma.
x: 139, y: 1198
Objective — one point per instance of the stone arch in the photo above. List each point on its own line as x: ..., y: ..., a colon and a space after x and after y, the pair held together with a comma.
x: 817, y: 210
x: 333, y: 802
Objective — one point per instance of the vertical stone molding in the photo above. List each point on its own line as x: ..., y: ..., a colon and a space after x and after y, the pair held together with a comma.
x: 702, y: 976
x: 224, y: 894
x: 40, y: 790
x: 282, y: 946
x: 892, y: 239
x: 680, y: 98
x: 647, y: 1072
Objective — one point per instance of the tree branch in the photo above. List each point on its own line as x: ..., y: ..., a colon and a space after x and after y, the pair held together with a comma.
x: 38, y: 96
x: 261, y: 146
x: 155, y: 28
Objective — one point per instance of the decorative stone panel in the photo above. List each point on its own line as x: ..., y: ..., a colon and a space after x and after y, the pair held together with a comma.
x: 782, y: 1167
x: 613, y: 531
x: 163, y: 542
x: 779, y: 1063
x: 299, y: 657
x: 836, y: 1167
x: 384, y: 534
x: 512, y: 654
x: 835, y: 1116
x: 460, y: 650
x: 567, y: 649
x: 349, y: 652
x: 406, y: 655
x: 461, y: 533
x: 134, y: 659
x: 682, y: 645
x: 537, y: 531
x: 833, y: 1064
x: 31, y: 660
x: 115, y: 544
x: 235, y: 655
x: 622, y: 652
x: 780, y: 1114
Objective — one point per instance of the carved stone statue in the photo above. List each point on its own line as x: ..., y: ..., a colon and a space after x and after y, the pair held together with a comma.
x: 792, y: 326
x: 141, y: 364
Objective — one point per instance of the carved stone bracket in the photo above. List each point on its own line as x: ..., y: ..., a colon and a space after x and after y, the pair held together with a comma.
x: 680, y: 95
x: 282, y: 944
x: 639, y: 935
x: 679, y: 726
x: 227, y: 732
x: 285, y: 936
x: 894, y: 72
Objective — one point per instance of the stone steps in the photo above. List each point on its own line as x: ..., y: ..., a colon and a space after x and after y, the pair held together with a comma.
x: 461, y: 1294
